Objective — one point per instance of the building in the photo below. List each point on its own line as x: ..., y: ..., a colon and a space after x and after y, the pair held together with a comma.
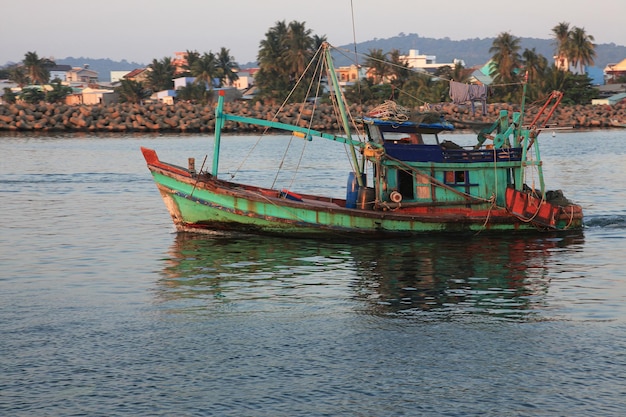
x: 166, y: 96
x: 426, y: 62
x: 140, y: 75
x: 60, y: 72
x: 182, y: 82
x: 350, y: 74
x: 82, y: 75
x: 117, y: 76
x: 615, y: 71
x: 98, y: 96
x: 610, y: 101
x: 246, y: 79
x: 179, y: 62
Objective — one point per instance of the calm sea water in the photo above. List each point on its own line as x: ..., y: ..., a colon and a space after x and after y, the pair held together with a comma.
x: 106, y: 311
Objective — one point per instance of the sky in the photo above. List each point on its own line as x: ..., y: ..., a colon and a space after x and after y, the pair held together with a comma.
x: 142, y: 30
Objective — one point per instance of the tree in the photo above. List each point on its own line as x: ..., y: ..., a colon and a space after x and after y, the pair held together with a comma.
x: 581, y: 49
x: 270, y: 79
x: 561, y: 37
x: 423, y: 88
x: 458, y: 73
x: 399, y: 69
x: 535, y: 66
x: 226, y: 67
x: 32, y: 95
x: 9, y: 96
x: 131, y: 91
x: 297, y: 49
x: 378, y: 63
x: 161, y: 74
x: 271, y: 48
x: 194, y: 92
x: 283, y: 56
x: 205, y: 70
x: 573, y: 47
x: 578, y: 89
x: 191, y: 57
x: 37, y: 68
x: 58, y: 92
x: 368, y: 93
x: 18, y: 75
x: 507, y: 62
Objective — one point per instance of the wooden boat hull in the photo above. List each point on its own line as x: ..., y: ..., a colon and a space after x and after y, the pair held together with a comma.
x: 202, y: 203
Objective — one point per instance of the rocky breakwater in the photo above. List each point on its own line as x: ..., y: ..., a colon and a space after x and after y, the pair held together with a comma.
x: 577, y: 116
x: 122, y: 117
x: 185, y: 117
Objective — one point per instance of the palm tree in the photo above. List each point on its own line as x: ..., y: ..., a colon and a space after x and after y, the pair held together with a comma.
x: 226, y: 66
x: 131, y: 91
x: 283, y: 56
x: 505, y: 49
x: 562, y: 37
x: 18, y: 75
x: 399, y: 68
x: 191, y: 57
x: 161, y: 75
x: 581, y: 49
x: 37, y: 68
x: 297, y: 47
x: 205, y: 70
x: 194, y: 93
x: 535, y: 66
x: 378, y: 63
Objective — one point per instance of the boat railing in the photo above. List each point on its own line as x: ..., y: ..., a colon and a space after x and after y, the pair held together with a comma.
x: 433, y: 153
x: 483, y: 155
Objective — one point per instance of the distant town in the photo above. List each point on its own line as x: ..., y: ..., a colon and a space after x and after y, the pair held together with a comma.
x: 194, y: 77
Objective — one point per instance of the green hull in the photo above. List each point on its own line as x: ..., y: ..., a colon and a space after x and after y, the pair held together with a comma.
x: 213, y: 205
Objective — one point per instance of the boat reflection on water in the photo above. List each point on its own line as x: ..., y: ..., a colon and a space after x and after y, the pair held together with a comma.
x: 507, y: 277
x: 435, y: 277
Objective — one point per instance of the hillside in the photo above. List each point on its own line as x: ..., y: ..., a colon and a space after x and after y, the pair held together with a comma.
x: 472, y: 51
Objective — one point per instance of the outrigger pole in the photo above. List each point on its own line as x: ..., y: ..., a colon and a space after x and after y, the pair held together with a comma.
x: 342, y: 109
x: 302, y: 132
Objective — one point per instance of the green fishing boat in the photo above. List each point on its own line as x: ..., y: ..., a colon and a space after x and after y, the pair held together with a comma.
x: 405, y: 180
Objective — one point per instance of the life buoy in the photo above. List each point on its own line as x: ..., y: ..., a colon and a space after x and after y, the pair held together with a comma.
x: 395, y: 196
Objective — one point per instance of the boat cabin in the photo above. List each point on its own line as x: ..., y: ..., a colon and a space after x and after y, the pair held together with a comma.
x: 421, y: 168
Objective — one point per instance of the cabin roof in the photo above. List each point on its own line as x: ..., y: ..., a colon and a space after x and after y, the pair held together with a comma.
x: 408, y: 125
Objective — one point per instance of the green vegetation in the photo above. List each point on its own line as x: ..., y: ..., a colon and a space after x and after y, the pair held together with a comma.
x: 32, y: 95
x: 285, y: 56
x: 131, y: 91
x: 58, y: 92
x: 33, y: 70
x: 285, y: 60
x: 161, y: 75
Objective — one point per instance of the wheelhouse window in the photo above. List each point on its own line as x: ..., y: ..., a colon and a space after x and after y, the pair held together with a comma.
x: 456, y: 177
x: 401, y: 135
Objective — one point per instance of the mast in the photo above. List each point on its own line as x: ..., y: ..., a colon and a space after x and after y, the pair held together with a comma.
x: 219, y: 123
x: 342, y: 110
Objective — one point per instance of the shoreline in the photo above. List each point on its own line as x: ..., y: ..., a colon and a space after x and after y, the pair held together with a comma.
x: 184, y: 117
